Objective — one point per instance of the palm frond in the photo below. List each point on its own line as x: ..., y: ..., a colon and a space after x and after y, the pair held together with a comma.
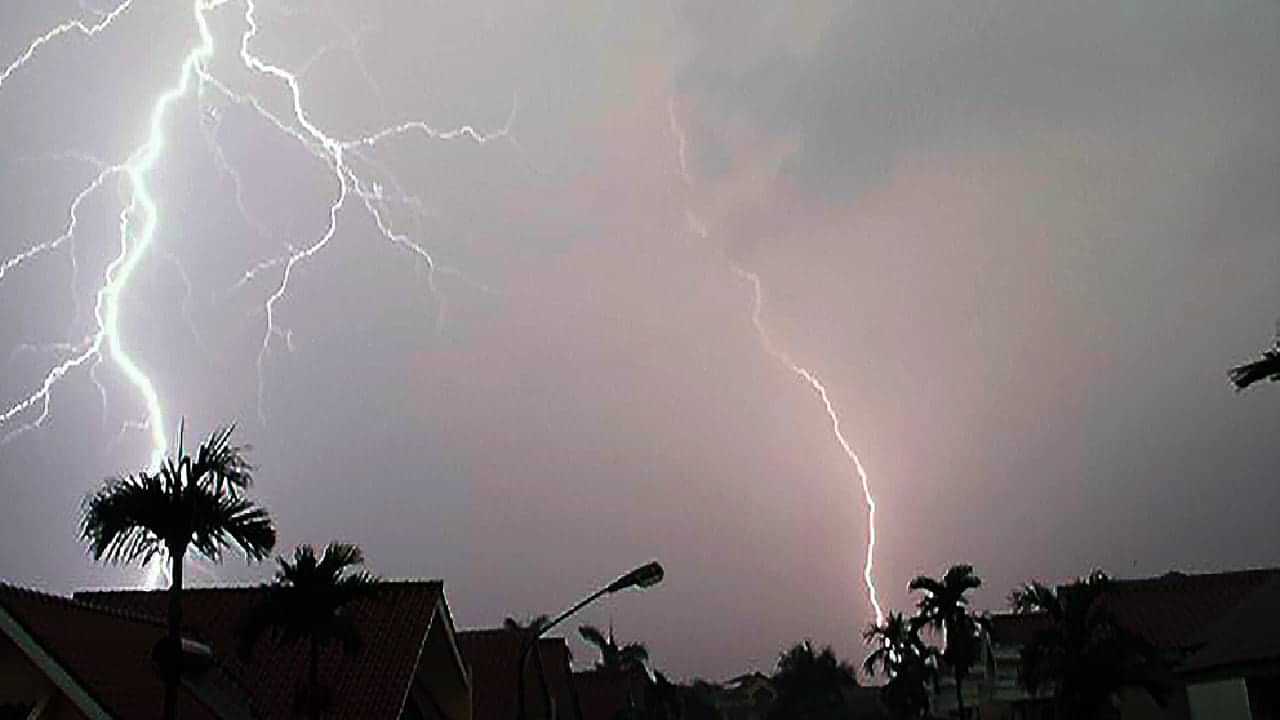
x: 592, y: 634
x: 221, y: 463
x: 1034, y: 597
x: 337, y: 557
x: 926, y: 583
x: 219, y: 520
x: 1266, y: 367
x: 129, y: 518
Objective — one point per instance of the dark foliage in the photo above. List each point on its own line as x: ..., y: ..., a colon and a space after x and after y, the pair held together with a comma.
x: 311, y: 600
x: 1085, y: 657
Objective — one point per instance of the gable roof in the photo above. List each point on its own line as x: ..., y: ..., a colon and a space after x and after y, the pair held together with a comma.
x: 1174, y: 611
x: 372, y: 684
x: 1249, y: 633
x: 1016, y: 629
x: 101, y: 660
x: 603, y: 693
x: 492, y: 655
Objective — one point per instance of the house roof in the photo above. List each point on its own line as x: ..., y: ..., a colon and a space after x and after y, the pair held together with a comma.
x: 106, y: 656
x: 602, y: 693
x: 492, y: 656
x: 1249, y: 633
x: 372, y: 684
x: 1016, y: 628
x: 1175, y: 610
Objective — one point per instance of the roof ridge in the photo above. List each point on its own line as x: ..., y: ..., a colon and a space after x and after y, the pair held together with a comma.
x: 1173, y: 576
x: 74, y: 602
x: 242, y: 587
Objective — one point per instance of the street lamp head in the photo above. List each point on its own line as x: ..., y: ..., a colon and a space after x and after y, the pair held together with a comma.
x: 644, y: 576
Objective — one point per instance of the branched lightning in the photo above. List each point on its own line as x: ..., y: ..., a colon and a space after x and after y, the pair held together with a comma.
x: 139, y: 219
x: 78, y: 26
x: 698, y: 227
x: 333, y: 152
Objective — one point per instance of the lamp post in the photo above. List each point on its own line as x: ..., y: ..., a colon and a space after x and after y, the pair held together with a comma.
x: 645, y: 576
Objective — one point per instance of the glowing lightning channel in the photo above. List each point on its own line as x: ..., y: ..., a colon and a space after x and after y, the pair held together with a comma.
x: 811, y: 379
x: 332, y: 151
x: 66, y: 27
x: 868, y: 568
x: 121, y: 269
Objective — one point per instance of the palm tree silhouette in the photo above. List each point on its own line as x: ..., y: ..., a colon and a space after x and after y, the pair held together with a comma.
x: 810, y: 684
x: 1266, y: 367
x: 620, y: 658
x: 945, y: 608
x: 529, y: 633
x: 310, y: 600
x: 1084, y: 656
x: 188, y: 503
x: 909, y: 664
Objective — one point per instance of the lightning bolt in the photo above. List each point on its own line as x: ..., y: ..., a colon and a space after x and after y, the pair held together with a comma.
x: 139, y: 220
x: 77, y: 26
x: 811, y: 379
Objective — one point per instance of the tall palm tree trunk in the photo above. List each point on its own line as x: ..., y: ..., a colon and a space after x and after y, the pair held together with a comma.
x: 172, y: 654
x: 313, y: 680
x: 542, y: 680
x: 523, y: 660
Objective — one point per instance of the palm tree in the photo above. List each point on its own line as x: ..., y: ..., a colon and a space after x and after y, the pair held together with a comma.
x: 1083, y: 656
x: 945, y: 608
x: 909, y: 664
x: 811, y: 683
x: 528, y: 634
x: 619, y: 658
x: 188, y: 503
x: 1266, y: 367
x: 310, y: 600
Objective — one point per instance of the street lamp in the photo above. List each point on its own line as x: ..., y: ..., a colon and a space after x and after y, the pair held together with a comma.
x: 645, y: 576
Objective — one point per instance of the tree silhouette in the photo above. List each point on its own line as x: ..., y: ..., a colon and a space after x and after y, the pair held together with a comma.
x: 310, y: 600
x: 188, y: 503
x: 910, y: 665
x: 1266, y: 367
x: 811, y: 684
x: 528, y: 634
x: 1084, y: 657
x: 945, y: 608
x: 619, y: 658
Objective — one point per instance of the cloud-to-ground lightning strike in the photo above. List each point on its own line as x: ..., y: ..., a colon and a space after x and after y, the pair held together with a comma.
x: 139, y: 219
x: 815, y: 384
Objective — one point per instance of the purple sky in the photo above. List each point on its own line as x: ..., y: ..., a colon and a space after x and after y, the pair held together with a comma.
x: 1020, y: 241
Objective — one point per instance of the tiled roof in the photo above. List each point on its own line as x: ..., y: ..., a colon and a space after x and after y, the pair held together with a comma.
x: 1249, y: 633
x: 492, y: 656
x: 1017, y: 628
x: 372, y: 684
x: 1175, y: 611
x: 106, y: 653
x: 602, y: 693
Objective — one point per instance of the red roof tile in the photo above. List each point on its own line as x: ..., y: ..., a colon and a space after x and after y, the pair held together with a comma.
x: 1174, y: 611
x: 492, y: 656
x: 372, y: 684
x: 603, y: 693
x: 1017, y: 628
x: 107, y: 653
x: 1249, y: 633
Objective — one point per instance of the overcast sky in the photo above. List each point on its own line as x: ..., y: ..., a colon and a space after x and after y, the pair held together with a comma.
x: 1020, y: 241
